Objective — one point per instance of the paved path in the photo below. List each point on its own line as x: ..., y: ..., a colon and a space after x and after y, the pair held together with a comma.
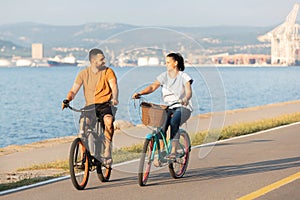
x: 232, y: 169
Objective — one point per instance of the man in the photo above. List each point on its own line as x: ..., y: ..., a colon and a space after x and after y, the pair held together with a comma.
x: 100, y: 92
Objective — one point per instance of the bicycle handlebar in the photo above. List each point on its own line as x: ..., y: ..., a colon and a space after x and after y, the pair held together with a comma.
x: 82, y: 110
x: 167, y: 106
x: 79, y: 110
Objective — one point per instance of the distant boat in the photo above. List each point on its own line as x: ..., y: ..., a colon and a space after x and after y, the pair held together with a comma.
x: 5, y: 63
x: 24, y: 63
x: 148, y: 61
x: 69, y: 60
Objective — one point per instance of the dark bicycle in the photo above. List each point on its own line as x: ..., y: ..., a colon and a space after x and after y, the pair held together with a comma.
x: 155, y: 116
x: 81, y: 160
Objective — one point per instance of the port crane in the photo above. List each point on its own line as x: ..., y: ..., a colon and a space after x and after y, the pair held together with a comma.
x: 284, y: 40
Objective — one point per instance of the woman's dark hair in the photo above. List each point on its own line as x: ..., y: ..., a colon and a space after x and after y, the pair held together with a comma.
x: 178, y: 57
x: 94, y: 52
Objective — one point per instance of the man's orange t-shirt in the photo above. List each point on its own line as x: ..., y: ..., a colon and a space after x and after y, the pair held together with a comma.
x: 95, y: 86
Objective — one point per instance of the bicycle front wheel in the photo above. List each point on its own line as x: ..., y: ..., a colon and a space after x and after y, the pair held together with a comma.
x: 145, y: 162
x: 179, y: 166
x: 79, y: 164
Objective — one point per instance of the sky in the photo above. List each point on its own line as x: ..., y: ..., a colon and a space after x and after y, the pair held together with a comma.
x: 148, y: 13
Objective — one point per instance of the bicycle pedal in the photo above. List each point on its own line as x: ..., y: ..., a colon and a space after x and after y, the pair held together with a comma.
x: 80, y: 167
x: 171, y: 156
x: 93, y: 168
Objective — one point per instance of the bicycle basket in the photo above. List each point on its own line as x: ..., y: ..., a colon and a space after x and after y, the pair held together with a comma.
x: 153, y: 114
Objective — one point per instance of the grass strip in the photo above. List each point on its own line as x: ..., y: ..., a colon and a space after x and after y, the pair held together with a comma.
x: 29, y: 181
x: 243, y: 129
x: 59, y: 164
x: 119, y: 155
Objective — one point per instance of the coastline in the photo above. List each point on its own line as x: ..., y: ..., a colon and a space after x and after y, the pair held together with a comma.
x: 122, y: 126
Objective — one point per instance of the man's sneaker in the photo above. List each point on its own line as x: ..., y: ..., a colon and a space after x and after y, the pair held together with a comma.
x: 107, y: 161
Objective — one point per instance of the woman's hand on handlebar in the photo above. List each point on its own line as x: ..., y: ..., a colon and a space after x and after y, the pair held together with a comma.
x: 136, y: 96
x: 184, y: 101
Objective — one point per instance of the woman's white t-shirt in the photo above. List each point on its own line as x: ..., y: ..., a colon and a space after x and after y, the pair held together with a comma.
x: 173, y: 89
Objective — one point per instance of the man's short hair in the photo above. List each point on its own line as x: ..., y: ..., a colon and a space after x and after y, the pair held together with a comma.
x: 94, y: 52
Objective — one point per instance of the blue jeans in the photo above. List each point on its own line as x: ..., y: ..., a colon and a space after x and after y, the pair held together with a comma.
x: 176, y: 117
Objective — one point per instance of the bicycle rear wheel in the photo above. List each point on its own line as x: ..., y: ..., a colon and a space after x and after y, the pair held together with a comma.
x: 103, y: 173
x: 179, y: 166
x: 79, y: 164
x: 145, y: 162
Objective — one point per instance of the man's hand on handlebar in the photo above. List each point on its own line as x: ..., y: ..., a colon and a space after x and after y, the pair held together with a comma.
x: 114, y: 102
x: 65, y: 104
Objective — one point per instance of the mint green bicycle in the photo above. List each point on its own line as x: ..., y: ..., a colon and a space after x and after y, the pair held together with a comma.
x: 156, y: 116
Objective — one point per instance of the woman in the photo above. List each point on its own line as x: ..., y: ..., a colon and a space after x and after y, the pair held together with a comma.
x: 176, y: 87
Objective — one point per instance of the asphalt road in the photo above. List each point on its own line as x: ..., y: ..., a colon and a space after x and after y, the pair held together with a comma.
x: 227, y: 170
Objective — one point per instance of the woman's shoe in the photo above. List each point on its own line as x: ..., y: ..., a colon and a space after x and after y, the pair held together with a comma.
x: 157, y: 163
x: 171, y: 156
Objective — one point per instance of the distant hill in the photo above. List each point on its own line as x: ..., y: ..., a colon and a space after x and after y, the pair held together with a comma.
x: 117, y: 36
x: 27, y: 33
x: 82, y: 35
x: 8, y: 48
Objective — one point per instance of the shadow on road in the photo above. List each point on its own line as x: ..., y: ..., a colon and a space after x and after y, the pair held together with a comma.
x: 237, y: 143
x: 120, y: 182
x: 201, y: 174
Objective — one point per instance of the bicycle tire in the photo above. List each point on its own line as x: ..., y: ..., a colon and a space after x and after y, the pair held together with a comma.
x: 103, y: 173
x: 178, y: 168
x: 145, y: 162
x: 79, y: 164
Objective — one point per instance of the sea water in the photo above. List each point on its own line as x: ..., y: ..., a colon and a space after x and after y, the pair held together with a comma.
x: 30, y: 98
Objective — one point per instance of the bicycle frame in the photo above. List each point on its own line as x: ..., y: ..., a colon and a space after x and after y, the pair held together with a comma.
x: 154, y: 135
x: 97, y: 134
x: 156, y: 145
x: 177, y: 163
